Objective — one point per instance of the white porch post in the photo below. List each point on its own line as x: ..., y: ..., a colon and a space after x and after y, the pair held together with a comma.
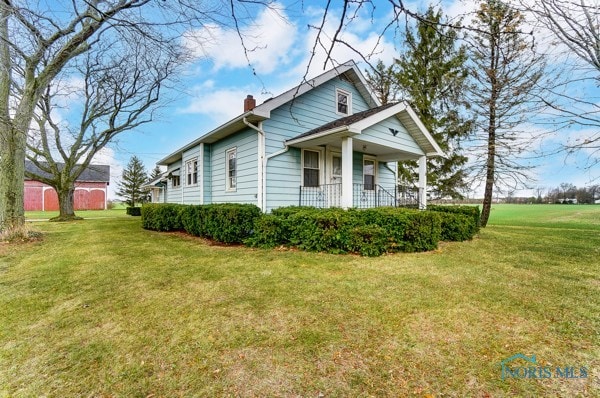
x: 423, y: 182
x: 346, y: 172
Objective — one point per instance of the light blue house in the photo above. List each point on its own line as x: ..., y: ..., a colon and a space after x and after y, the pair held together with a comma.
x: 326, y: 143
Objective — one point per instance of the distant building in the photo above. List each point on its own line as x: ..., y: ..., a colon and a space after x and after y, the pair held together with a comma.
x: 91, y: 190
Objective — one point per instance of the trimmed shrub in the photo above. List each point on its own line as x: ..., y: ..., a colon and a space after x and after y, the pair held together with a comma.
x: 269, y: 231
x: 134, y: 211
x: 162, y: 216
x: 470, y: 211
x: 325, y: 230
x: 369, y: 240
x: 370, y: 232
x: 229, y: 222
x: 457, y: 227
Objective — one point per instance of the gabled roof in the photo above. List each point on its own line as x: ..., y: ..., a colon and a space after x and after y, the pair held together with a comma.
x: 263, y: 111
x: 357, y: 122
x: 93, y: 173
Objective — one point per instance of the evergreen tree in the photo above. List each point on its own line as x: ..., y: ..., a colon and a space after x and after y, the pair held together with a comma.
x: 381, y: 80
x: 431, y: 75
x: 130, y: 187
x: 155, y: 173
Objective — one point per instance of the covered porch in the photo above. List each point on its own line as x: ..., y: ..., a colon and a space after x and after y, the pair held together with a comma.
x: 352, y: 162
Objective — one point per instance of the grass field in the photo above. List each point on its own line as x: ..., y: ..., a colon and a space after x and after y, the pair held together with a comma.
x: 101, y: 307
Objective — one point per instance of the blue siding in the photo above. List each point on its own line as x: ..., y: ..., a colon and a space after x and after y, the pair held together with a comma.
x: 386, y: 177
x: 174, y: 193
x: 191, y: 192
x: 284, y: 178
x: 246, y: 191
x: 207, y: 174
x: 380, y: 134
x: 307, y: 111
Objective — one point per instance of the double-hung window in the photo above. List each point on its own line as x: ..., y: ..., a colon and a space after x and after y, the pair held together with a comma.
x: 175, y: 181
x: 192, y: 172
x: 231, y: 169
x: 343, y: 102
x: 310, y: 168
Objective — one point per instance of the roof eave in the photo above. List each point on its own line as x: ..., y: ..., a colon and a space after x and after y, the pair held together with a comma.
x: 226, y: 129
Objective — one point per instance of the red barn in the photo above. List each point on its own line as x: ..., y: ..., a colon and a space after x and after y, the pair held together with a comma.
x: 91, y: 190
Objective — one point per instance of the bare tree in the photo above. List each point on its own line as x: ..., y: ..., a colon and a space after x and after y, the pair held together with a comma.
x: 575, y: 25
x: 37, y: 42
x: 121, y: 88
x: 506, y: 73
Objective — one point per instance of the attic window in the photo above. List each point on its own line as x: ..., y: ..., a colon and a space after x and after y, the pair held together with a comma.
x: 343, y: 101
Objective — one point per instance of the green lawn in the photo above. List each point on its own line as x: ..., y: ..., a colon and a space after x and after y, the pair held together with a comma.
x: 103, y: 308
x: 46, y: 215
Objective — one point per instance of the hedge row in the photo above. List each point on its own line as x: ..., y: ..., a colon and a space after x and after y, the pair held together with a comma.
x: 370, y: 232
x: 227, y: 222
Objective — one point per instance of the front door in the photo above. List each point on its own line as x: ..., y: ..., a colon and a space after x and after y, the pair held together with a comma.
x: 334, y: 193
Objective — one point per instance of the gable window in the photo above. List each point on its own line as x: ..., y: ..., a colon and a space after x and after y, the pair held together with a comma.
x: 192, y: 172
x: 231, y: 169
x: 343, y: 100
x: 368, y: 174
x: 310, y: 168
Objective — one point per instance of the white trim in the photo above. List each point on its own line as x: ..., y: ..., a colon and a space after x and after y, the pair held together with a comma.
x: 187, y: 173
x: 329, y: 172
x: 347, y: 160
x: 375, y: 173
x: 228, y: 187
x: 423, y: 182
x: 348, y: 95
x: 321, y: 165
x: 201, y: 172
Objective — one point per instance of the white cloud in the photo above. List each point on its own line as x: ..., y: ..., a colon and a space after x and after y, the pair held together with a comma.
x: 268, y: 42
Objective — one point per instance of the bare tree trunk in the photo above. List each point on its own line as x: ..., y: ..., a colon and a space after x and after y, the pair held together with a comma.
x: 489, y: 177
x: 12, y: 177
x: 65, y: 204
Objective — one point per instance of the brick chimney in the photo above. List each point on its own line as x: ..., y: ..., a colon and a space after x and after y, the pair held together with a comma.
x: 249, y: 103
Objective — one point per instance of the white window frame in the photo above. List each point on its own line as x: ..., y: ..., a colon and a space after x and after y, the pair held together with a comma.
x: 348, y: 95
x: 176, y: 178
x: 191, y: 172
x: 321, y: 164
x: 228, y: 181
x: 375, y: 167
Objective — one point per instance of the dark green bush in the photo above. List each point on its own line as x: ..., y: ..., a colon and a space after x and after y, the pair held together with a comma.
x: 162, y: 216
x: 325, y: 230
x: 230, y: 222
x: 369, y: 240
x: 469, y: 211
x: 457, y: 227
x: 269, y: 231
x: 369, y: 232
x: 133, y: 211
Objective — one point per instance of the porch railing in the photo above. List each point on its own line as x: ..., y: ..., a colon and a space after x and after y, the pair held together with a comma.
x: 363, y: 196
x: 407, y: 196
x: 323, y: 196
x: 369, y: 196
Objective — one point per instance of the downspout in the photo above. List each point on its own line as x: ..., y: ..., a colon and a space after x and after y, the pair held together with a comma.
x: 201, y: 169
x: 182, y: 177
x: 261, y: 197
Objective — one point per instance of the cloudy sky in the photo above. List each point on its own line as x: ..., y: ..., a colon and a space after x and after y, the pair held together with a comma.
x: 213, y: 87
